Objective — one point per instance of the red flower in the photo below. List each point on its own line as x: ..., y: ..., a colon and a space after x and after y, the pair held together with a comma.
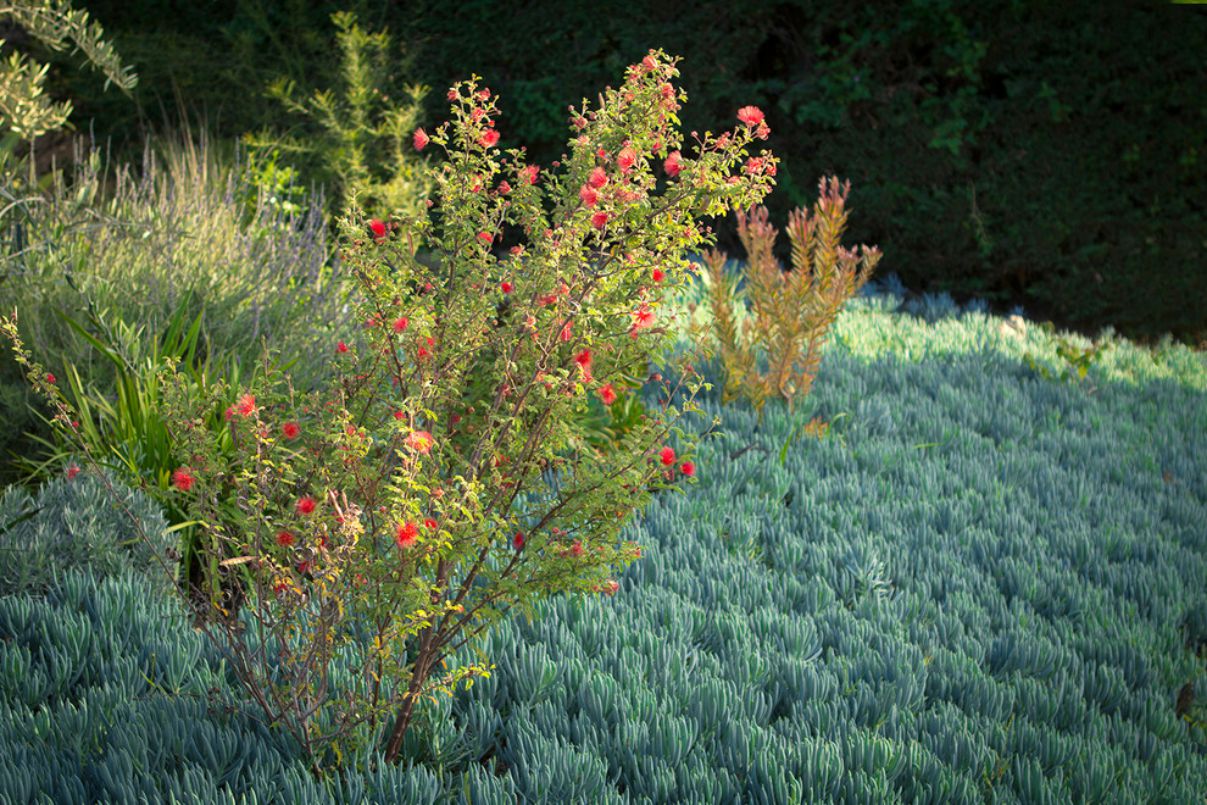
x: 420, y: 138
x: 672, y: 164
x: 643, y: 317
x: 486, y: 238
x: 430, y: 524
x: 341, y: 347
x: 504, y: 188
x: 599, y: 219
x: 50, y: 378
x: 423, y: 354
x: 506, y: 287
x: 625, y: 159
x: 401, y: 323
x: 576, y: 548
x: 611, y: 586
x: 420, y: 441
x: 659, y: 275
x: 290, y: 430
x: 598, y: 178
x: 687, y: 468
x: 588, y: 196
x: 488, y: 138
x: 284, y: 539
x: 518, y: 540
x: 399, y: 414
x: 648, y: 63
x: 405, y: 537
x: 607, y: 394
x: 583, y: 359
x: 378, y: 229
x: 182, y: 479
x: 564, y: 335
x: 667, y: 456
x: 750, y: 115
x: 247, y: 405
x: 72, y: 471
x: 305, y: 504
x: 529, y: 172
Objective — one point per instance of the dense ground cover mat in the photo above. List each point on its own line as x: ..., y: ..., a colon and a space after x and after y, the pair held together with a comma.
x: 977, y: 584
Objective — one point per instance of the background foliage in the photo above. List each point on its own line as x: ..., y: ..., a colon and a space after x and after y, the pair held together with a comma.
x: 1046, y: 154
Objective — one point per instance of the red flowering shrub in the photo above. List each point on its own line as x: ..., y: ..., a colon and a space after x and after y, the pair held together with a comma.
x: 469, y: 418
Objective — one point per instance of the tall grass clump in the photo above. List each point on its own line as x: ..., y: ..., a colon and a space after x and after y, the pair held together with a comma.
x: 184, y: 233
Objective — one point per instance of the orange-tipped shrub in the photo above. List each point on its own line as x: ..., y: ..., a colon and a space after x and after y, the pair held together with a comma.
x: 791, y: 310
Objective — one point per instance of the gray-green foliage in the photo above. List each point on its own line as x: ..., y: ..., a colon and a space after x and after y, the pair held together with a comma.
x: 80, y: 523
x: 980, y: 586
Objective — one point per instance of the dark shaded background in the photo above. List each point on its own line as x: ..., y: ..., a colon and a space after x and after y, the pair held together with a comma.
x: 1043, y: 154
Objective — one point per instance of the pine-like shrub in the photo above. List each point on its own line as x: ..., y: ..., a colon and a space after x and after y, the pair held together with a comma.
x: 791, y: 310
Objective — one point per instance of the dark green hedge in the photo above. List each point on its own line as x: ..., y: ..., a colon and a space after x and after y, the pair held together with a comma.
x: 1037, y: 153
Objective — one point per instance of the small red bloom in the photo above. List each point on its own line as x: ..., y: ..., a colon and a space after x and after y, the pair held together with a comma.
x: 452, y: 94
x: 518, y: 541
x: 488, y: 138
x: 420, y: 138
x: 611, y: 586
x: 420, y: 441
x: 378, y: 229
x: 72, y: 471
x: 506, y: 287
x: 529, y: 172
x: 599, y: 219
x: 50, y: 378
x: 564, y: 335
x: 399, y: 414
x: 247, y: 405
x: 284, y: 539
x: 643, y: 317
x: 290, y: 430
x: 750, y: 115
x: 583, y: 359
x: 687, y: 468
x: 588, y: 196
x: 659, y: 275
x: 598, y: 178
x: 183, y: 480
x: 280, y: 587
x: 672, y: 164
x: 401, y: 323
x: 576, y: 548
x: 667, y: 456
x: 305, y: 505
x: 607, y: 394
x: 405, y: 537
x: 430, y: 524
x: 648, y: 63
x: 341, y: 348
x: 423, y: 354
x: 625, y: 159
x: 504, y: 188
x: 486, y: 238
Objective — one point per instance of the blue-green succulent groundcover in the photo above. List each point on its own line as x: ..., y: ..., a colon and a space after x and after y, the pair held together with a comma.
x: 981, y: 585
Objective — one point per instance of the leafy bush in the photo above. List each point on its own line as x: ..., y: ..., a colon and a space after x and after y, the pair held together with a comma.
x: 363, y: 142
x: 440, y: 480
x: 79, y: 522
x: 791, y: 310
